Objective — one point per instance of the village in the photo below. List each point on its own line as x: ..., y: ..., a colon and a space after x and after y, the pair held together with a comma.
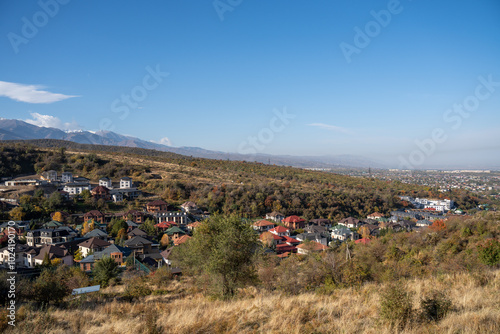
x: 144, y: 238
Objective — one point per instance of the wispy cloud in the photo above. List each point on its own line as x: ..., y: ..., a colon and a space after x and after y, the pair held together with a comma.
x: 30, y: 93
x: 163, y: 141
x: 48, y: 121
x: 330, y: 127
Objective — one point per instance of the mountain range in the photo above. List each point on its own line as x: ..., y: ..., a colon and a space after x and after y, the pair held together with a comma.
x: 12, y: 129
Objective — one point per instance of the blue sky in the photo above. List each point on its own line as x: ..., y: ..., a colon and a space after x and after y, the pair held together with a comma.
x: 227, y: 78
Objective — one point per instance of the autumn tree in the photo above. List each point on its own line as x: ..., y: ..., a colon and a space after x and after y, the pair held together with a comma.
x: 88, y: 226
x: 58, y: 217
x: 165, y: 240
x: 438, y: 225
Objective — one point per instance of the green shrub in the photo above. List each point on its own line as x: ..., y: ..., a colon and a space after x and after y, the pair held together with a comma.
x: 136, y: 288
x: 434, y: 307
x: 489, y: 252
x: 396, y: 307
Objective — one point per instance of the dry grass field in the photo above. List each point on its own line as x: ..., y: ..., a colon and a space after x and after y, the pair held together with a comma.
x: 475, y: 309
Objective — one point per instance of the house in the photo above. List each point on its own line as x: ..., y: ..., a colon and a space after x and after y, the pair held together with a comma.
x: 116, y: 196
x: 312, y: 246
x: 125, y: 182
x: 18, y: 257
x: 81, y: 179
x: 166, y: 256
x: 322, y: 238
x: 423, y: 223
x: 54, y: 252
x: 263, y: 225
x: 52, y: 224
x: 74, y: 188
x: 67, y: 177
x: 375, y: 215
x: 134, y: 215
x: 316, y: 229
x: 136, y: 232
x: 49, y: 236
x: 396, y: 227
x: 92, y: 245
x: 190, y: 207
x: 350, y: 222
x: 194, y: 225
x: 165, y: 225
x: 275, y: 216
x: 181, y: 240
x: 97, y: 233
x: 50, y: 175
x: 340, y: 232
x: 95, y: 215
x: 175, y: 232
x: 139, y: 245
x: 33, y: 180
x: 157, y: 206
x: 321, y: 222
x: 280, y: 231
x: 101, y: 192
x: 131, y: 225
x: 117, y: 253
x: 106, y: 182
x: 270, y: 239
x: 373, y: 229
x: 294, y: 222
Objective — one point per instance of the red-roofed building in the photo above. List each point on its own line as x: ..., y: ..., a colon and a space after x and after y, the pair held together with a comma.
x: 285, y: 248
x: 193, y: 225
x: 363, y: 241
x: 263, y: 225
x: 165, y: 225
x: 311, y: 246
x: 294, y: 222
x: 280, y: 231
x: 291, y: 241
x: 181, y: 240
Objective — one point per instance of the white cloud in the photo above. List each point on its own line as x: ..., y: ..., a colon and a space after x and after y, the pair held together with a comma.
x: 163, y: 141
x: 48, y: 121
x: 30, y: 93
x: 330, y: 127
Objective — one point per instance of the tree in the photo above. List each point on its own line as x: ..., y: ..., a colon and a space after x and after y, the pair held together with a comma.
x: 58, y: 217
x: 364, y: 231
x: 223, y: 247
x: 165, y: 240
x: 438, y: 225
x: 105, y: 269
x: 88, y: 226
x: 149, y: 227
x: 49, y: 287
x: 17, y: 213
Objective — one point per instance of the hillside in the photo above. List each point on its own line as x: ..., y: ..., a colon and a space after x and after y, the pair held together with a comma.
x: 247, y: 189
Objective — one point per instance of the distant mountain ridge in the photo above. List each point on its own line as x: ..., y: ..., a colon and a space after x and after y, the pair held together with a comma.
x: 11, y: 129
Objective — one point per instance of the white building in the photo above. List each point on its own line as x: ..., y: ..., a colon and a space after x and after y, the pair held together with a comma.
x: 76, y: 188
x: 126, y: 182
x: 106, y: 182
x: 67, y: 177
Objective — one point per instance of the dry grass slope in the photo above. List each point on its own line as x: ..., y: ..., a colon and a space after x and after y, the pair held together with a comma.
x: 475, y: 300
